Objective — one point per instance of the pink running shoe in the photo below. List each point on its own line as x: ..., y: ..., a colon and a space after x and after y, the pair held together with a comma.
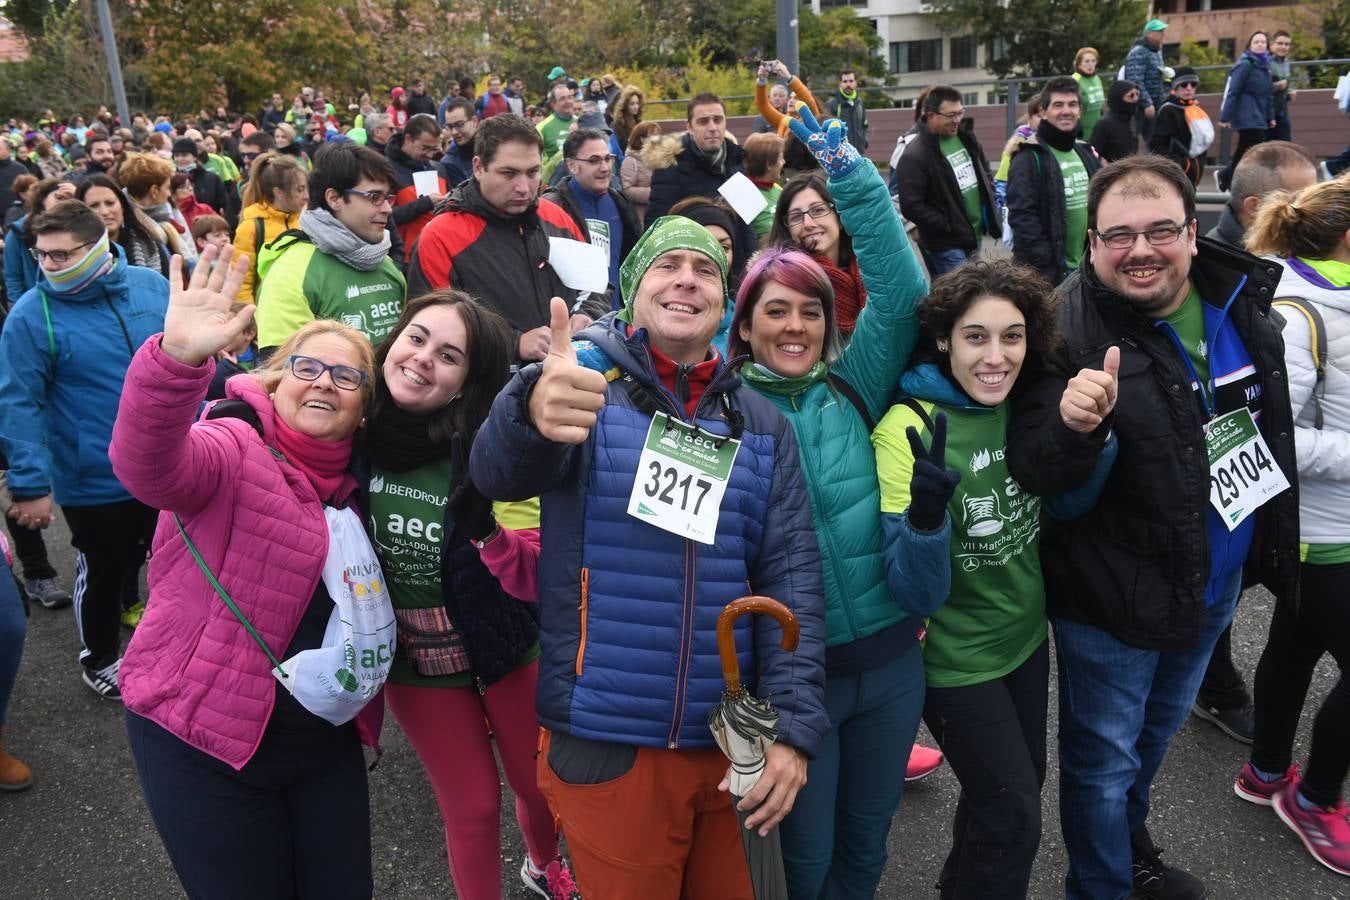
x: 554, y: 883
x: 923, y: 761
x: 1251, y: 788
x: 1325, y: 832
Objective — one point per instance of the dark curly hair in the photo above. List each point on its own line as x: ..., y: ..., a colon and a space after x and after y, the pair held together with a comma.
x: 955, y: 292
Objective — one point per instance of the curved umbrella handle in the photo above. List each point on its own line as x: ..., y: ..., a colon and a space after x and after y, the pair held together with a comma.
x: 726, y: 644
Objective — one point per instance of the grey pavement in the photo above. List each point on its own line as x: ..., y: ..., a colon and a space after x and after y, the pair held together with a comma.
x: 82, y: 830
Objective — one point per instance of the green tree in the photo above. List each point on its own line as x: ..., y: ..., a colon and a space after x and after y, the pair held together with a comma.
x: 1040, y: 37
x: 64, y: 71
x: 835, y: 40
x: 194, y: 52
x: 1211, y: 82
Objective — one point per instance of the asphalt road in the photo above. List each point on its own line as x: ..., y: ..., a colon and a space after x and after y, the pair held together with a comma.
x: 82, y: 830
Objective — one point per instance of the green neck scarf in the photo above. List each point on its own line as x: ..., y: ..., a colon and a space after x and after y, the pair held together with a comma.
x: 1333, y: 270
x: 850, y: 96
x: 772, y: 383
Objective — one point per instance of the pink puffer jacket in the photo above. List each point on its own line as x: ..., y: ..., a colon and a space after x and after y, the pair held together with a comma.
x: 258, y: 524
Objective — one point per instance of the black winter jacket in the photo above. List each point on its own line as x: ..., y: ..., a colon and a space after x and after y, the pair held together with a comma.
x: 931, y: 199
x: 1136, y: 564
x: 1114, y: 136
x: 1036, y: 206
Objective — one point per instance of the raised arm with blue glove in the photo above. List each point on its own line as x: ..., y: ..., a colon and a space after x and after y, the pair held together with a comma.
x: 827, y: 142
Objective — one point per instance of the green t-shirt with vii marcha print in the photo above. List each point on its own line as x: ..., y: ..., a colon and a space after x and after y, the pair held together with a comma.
x: 1075, y: 176
x: 966, y: 180
x: 994, y: 618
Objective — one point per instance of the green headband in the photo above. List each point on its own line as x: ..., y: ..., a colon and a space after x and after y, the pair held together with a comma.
x: 665, y: 234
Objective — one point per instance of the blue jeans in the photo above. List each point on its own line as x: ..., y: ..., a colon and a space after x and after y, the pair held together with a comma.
x: 834, y: 840
x: 1118, y: 710
x: 13, y: 626
x: 946, y: 260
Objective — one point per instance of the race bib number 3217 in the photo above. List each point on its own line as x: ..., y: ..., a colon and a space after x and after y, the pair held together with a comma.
x: 681, y: 478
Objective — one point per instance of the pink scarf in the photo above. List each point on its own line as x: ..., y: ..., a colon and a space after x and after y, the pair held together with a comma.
x: 323, y: 462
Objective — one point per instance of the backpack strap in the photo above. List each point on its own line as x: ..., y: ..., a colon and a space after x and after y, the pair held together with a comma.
x: 853, y: 397
x: 1317, y: 347
x: 257, y: 251
x: 919, y: 411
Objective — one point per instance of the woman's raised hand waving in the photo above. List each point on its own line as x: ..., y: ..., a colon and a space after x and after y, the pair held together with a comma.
x: 198, y: 322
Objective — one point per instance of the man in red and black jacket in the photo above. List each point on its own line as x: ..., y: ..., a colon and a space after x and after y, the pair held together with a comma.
x: 416, y: 151
x: 491, y: 239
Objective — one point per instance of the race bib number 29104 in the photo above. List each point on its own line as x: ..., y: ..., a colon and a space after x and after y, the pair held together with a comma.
x: 681, y: 478
x: 1242, y: 471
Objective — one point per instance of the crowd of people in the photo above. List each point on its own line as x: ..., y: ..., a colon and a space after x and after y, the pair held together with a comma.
x: 338, y: 379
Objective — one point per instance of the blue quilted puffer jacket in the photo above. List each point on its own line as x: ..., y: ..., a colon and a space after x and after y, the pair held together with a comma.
x: 628, y: 612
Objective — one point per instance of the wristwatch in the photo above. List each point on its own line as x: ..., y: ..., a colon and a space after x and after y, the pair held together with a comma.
x: 496, y: 530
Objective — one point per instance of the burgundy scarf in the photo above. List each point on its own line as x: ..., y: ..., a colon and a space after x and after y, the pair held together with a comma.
x: 849, y: 294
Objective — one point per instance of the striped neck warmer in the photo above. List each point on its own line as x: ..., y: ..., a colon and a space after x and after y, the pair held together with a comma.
x: 78, y: 276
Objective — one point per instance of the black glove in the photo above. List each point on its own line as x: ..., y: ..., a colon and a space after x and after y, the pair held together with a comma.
x: 932, y: 484
x: 472, y: 513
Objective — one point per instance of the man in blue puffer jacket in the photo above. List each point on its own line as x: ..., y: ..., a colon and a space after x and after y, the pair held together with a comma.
x: 63, y: 356
x: 629, y: 602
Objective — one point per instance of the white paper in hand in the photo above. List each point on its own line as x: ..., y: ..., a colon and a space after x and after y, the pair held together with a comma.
x: 743, y: 196
x: 581, y: 266
x: 426, y: 182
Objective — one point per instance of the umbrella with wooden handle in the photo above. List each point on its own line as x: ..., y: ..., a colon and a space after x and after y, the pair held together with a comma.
x: 744, y: 727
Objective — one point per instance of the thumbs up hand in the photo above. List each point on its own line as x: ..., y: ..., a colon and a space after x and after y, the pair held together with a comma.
x: 1090, y: 396
x: 567, y: 396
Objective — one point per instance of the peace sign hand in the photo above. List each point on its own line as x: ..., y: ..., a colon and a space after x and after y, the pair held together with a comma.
x: 198, y: 322
x: 932, y: 484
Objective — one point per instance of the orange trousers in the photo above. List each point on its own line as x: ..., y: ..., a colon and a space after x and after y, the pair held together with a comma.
x: 660, y: 831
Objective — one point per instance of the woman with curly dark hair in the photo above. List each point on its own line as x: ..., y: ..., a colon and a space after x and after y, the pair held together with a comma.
x: 962, y: 551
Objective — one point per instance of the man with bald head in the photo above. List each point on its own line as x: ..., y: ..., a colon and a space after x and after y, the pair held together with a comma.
x: 1266, y: 168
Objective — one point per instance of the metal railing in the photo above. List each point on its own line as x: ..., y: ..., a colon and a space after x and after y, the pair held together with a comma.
x: 1014, y: 90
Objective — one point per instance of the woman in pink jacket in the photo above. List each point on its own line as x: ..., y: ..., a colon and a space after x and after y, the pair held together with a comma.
x: 252, y: 794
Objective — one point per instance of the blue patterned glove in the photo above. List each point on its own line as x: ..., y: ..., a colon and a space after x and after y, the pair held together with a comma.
x: 828, y: 143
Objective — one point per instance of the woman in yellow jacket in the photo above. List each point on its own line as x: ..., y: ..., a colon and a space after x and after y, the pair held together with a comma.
x: 276, y: 191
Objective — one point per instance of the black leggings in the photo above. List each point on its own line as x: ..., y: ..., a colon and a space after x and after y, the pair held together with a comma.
x: 1247, y: 139
x: 1297, y: 641
x: 994, y: 737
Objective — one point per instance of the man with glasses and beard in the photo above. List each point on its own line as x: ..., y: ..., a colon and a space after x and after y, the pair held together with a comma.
x: 336, y: 265
x: 1167, y: 400
x: 944, y: 182
x: 601, y: 212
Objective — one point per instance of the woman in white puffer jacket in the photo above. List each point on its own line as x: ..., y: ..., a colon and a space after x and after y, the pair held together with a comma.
x: 1310, y: 233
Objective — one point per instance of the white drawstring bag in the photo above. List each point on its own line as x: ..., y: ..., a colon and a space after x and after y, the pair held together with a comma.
x: 334, y: 681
